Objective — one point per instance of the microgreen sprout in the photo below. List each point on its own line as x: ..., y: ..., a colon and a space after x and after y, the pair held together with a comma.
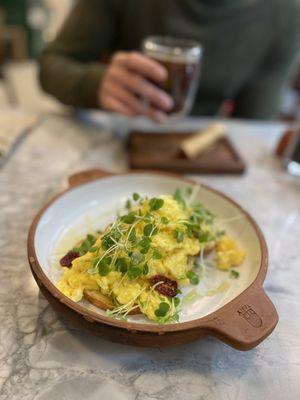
x: 157, y: 255
x: 234, y: 274
x: 86, y: 245
x: 165, y: 220
x: 163, y: 309
x: 193, y: 277
x: 155, y: 204
x: 179, y: 236
x: 128, y: 204
x: 136, y: 196
x: 129, y: 246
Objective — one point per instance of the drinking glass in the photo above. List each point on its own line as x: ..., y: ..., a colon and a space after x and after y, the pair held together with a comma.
x: 181, y: 58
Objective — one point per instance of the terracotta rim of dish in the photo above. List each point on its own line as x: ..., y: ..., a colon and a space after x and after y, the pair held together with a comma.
x: 89, y: 176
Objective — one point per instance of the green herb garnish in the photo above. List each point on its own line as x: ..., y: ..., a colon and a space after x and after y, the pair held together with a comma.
x: 121, y: 265
x: 176, y: 301
x: 205, y: 236
x: 148, y: 229
x: 93, y: 249
x: 179, y: 236
x: 157, y: 255
x: 234, y: 274
x: 193, y: 278
x: 128, y: 204
x: 127, y: 246
x: 145, y: 269
x: 86, y: 245
x: 132, y: 236
x: 179, y: 198
x: 134, y: 272
x: 162, y: 310
x: 189, y: 190
x: 145, y: 244
x: 165, y: 220
x: 103, y: 266
x: 145, y: 241
x: 137, y: 258
x: 128, y: 218
x: 155, y: 204
x: 135, y: 196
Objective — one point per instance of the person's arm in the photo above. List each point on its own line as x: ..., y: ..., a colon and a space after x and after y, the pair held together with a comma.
x: 70, y: 70
x: 260, y: 97
x: 70, y: 67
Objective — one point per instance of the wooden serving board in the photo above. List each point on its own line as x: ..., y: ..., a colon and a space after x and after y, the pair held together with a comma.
x: 161, y: 151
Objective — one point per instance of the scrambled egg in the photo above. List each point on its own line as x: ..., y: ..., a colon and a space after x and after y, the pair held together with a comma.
x: 149, y: 302
x: 173, y: 264
x: 228, y: 253
x: 167, y: 256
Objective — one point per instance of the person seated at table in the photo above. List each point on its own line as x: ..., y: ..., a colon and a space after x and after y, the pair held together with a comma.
x: 249, y: 46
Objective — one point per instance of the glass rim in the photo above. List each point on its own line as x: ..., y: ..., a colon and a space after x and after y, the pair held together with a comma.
x: 172, y: 46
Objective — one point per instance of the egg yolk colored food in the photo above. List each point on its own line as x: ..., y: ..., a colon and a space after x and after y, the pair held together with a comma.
x: 228, y: 253
x: 156, y: 241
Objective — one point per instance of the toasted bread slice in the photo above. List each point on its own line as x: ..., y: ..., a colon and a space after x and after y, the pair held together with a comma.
x: 99, y: 300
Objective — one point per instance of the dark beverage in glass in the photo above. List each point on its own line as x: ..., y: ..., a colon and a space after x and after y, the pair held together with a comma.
x: 181, y: 58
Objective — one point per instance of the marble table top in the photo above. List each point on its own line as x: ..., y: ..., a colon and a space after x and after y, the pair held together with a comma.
x: 41, y: 359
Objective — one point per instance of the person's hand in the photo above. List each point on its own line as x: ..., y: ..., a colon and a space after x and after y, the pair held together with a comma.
x: 126, y: 87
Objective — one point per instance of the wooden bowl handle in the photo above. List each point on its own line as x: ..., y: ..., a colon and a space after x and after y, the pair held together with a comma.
x: 87, y: 176
x: 245, y: 321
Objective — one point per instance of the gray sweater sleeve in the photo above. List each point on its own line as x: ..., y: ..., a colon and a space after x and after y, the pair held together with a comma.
x: 70, y: 67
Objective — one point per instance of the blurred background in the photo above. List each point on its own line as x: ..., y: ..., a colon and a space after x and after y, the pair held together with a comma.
x: 25, y: 27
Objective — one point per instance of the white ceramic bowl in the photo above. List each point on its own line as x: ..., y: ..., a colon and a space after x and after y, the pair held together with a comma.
x: 91, y: 203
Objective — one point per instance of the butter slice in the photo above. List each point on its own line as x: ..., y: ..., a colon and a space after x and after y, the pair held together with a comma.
x: 202, y: 140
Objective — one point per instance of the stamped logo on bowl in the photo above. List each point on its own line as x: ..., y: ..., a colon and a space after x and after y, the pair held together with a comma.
x: 250, y: 316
